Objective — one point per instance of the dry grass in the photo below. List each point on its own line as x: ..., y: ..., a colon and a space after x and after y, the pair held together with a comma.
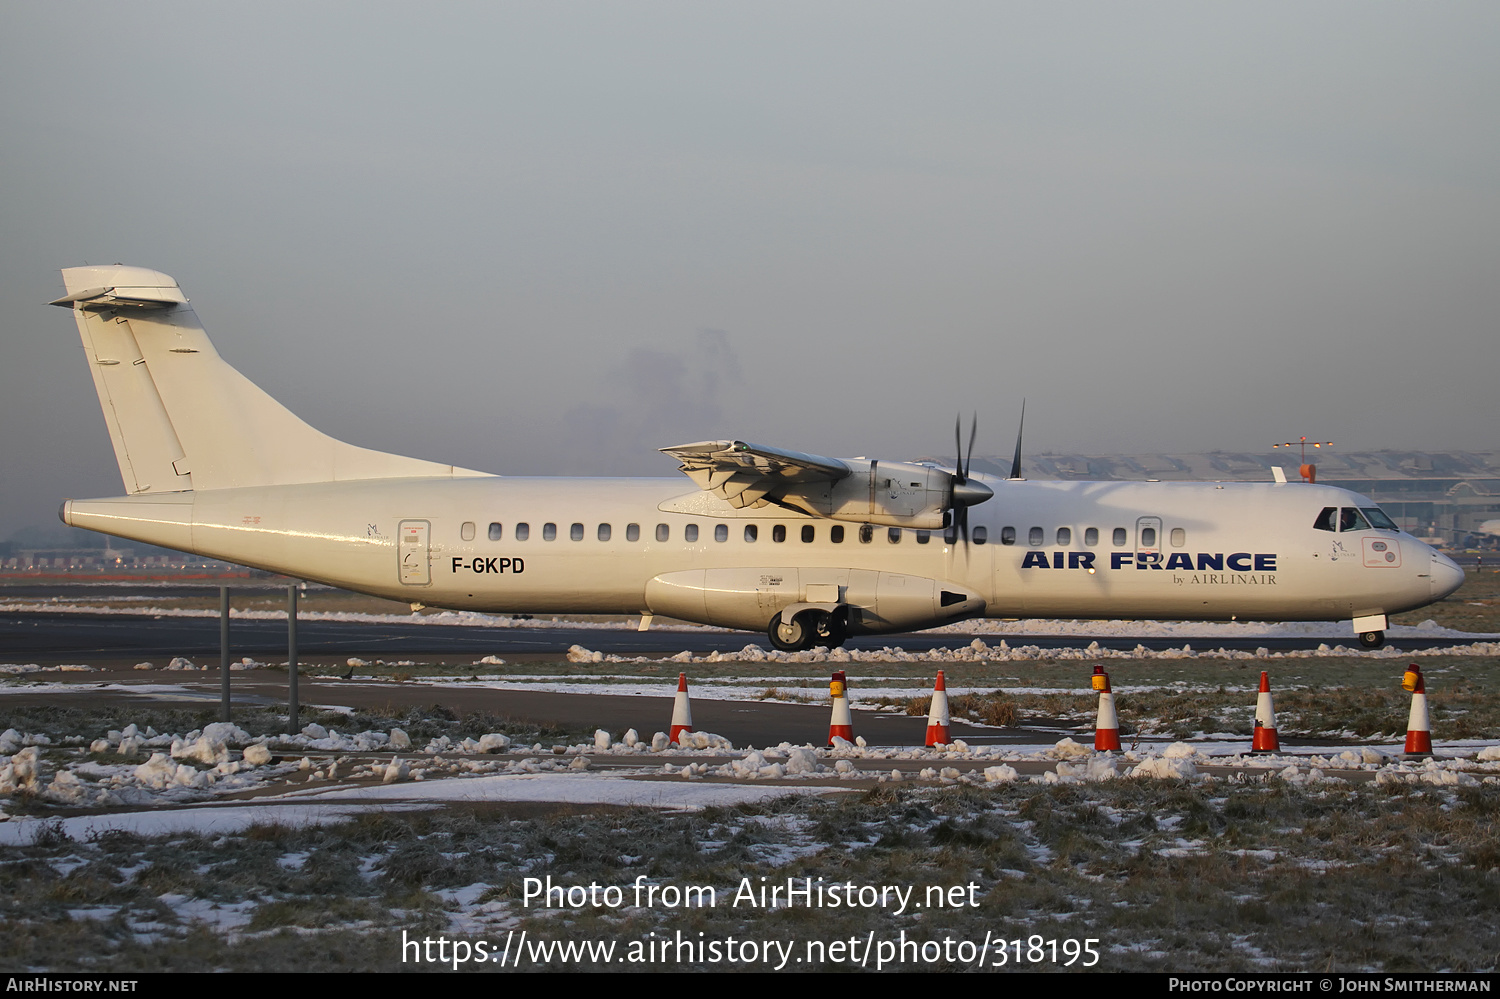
x: 1165, y: 875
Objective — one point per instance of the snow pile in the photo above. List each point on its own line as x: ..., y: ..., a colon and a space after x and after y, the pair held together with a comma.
x: 1165, y: 768
x: 160, y: 773
x: 802, y: 760
x: 1067, y: 749
x: 978, y: 651
x: 20, y: 773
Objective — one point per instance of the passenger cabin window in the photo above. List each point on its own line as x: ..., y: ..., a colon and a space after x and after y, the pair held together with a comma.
x: 1179, y: 537
x: 576, y: 532
x: 1007, y: 535
x: 523, y: 531
x: 1148, y: 537
x: 721, y: 532
x: 1064, y: 536
x: 950, y: 535
x: 1036, y: 536
x: 923, y: 537
x: 1120, y: 537
x: 549, y: 532
x: 495, y: 532
x: 751, y: 532
x: 663, y: 532
x: 632, y: 532
x: 981, y: 535
x: 808, y: 533
x: 466, y: 531
x: 1091, y: 536
x: 836, y: 534
x: 778, y: 533
x: 893, y: 535
x: 866, y: 533
x: 690, y: 532
x: 604, y: 532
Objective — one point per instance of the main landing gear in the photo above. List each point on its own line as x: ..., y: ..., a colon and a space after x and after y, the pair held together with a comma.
x: 1372, y: 639
x: 810, y: 628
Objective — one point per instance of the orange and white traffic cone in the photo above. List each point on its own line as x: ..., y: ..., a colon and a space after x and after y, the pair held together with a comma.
x: 840, y: 724
x: 937, y: 715
x: 1264, y: 740
x: 1107, y: 728
x: 1418, y: 725
x: 682, y: 710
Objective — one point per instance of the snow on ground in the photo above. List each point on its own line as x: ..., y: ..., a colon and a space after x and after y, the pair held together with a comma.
x: 572, y: 788
x: 207, y: 820
x: 153, y: 798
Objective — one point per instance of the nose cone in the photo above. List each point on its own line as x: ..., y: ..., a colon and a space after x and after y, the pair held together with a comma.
x: 971, y: 493
x: 1447, y: 575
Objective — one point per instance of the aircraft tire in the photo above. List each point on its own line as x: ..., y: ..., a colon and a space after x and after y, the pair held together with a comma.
x: 1372, y: 639
x: 832, y: 631
x: 798, y: 636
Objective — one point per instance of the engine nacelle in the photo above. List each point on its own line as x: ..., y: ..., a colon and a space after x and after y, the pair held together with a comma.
x: 888, y: 493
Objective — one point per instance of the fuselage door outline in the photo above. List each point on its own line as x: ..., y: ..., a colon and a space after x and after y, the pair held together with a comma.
x: 413, y: 548
x: 1148, y: 541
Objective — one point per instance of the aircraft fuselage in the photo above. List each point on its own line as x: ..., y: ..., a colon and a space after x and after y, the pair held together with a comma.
x: 1219, y: 551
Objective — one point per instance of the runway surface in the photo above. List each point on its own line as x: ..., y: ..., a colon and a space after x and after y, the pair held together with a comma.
x: 76, y: 637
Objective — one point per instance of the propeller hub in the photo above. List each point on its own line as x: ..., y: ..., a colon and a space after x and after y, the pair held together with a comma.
x: 970, y: 493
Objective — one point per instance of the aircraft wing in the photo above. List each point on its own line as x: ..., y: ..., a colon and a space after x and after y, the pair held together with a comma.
x: 750, y: 475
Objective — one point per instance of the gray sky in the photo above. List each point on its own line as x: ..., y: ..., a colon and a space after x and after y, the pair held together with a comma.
x: 583, y: 231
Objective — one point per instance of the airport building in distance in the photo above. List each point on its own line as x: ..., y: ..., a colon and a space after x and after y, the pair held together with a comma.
x: 1441, y: 495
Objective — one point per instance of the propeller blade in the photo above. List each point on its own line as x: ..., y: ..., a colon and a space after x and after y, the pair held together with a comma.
x: 1015, y: 465
x: 973, y: 432
x: 958, y: 448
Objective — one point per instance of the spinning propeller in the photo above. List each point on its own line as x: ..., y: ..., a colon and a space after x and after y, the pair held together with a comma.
x: 966, y: 493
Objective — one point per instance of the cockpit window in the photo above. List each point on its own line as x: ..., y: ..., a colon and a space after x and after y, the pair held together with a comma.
x: 1351, y: 519
x: 1325, y: 519
x: 1379, y: 519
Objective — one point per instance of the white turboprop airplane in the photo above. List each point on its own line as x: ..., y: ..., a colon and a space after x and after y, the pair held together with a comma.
x: 806, y: 548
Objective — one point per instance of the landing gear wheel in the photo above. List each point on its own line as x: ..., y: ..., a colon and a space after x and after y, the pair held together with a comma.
x: 795, y: 637
x: 833, y: 629
x: 1372, y: 639
x: 833, y: 636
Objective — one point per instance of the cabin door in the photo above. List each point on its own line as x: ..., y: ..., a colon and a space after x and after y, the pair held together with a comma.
x: 412, y: 549
x: 1148, y: 541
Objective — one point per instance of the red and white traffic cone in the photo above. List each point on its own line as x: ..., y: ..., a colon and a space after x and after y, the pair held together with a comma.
x: 1107, y: 728
x: 682, y: 710
x: 1264, y: 740
x: 840, y: 724
x: 937, y: 715
x: 1418, y: 725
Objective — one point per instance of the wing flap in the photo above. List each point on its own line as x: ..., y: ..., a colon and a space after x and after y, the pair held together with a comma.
x: 747, y: 475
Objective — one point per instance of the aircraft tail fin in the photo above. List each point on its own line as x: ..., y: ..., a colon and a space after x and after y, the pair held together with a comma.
x: 179, y: 416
